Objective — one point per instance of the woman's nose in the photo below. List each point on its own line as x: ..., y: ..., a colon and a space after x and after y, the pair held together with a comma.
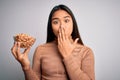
x: 62, y: 25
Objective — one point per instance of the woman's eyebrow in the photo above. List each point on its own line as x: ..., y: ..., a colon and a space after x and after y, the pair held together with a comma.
x: 67, y: 17
x: 63, y: 17
x: 54, y: 18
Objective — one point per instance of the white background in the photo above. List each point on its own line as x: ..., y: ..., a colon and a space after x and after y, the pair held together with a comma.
x: 99, y: 26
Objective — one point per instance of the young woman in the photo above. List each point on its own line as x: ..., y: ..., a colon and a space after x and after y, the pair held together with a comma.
x: 63, y: 56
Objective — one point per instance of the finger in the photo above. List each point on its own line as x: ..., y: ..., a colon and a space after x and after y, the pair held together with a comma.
x: 60, y: 34
x: 63, y: 34
x: 18, y: 49
x: 59, y: 42
x: 76, y: 40
x: 58, y: 38
x: 13, y: 49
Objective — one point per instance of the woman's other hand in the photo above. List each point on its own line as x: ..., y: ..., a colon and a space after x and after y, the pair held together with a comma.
x: 65, y: 43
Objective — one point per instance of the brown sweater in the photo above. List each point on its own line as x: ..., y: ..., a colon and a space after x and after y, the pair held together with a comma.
x: 49, y: 65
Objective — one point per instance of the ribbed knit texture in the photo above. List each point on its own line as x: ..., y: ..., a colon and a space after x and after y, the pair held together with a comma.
x: 49, y: 65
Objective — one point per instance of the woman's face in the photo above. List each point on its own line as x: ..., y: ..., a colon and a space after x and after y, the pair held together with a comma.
x: 62, y: 19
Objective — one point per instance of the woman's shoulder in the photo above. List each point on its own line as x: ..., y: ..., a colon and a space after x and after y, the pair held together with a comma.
x: 45, y: 48
x: 46, y: 45
x: 83, y: 47
x: 84, y: 50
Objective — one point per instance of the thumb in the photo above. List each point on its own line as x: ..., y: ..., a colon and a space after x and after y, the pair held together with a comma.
x: 76, y: 40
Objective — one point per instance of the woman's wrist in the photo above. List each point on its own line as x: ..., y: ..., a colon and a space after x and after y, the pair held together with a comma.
x: 25, y: 68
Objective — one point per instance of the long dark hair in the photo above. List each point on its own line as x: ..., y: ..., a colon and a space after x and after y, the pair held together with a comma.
x: 75, y: 33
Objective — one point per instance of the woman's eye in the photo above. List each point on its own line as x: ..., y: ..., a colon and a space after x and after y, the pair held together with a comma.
x: 55, y: 22
x: 67, y: 20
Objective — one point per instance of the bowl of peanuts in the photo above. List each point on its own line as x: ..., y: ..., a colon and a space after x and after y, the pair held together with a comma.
x: 24, y: 39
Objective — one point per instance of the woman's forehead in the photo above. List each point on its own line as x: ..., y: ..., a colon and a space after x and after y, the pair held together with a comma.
x: 61, y: 14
